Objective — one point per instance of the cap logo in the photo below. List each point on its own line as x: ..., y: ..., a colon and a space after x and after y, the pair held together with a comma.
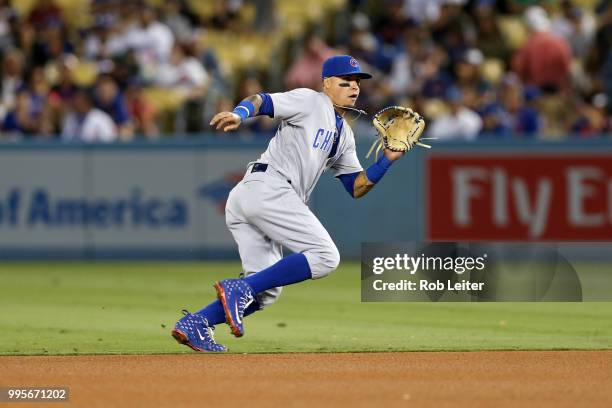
x: 354, y: 62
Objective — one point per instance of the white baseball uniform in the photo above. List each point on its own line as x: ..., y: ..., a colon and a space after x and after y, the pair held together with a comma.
x: 267, y: 209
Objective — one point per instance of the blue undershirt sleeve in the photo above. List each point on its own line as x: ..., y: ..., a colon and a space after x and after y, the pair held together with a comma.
x: 267, y: 107
x: 348, y: 181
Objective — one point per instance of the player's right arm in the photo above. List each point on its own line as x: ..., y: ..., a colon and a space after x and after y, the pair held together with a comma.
x: 228, y: 121
x: 291, y: 106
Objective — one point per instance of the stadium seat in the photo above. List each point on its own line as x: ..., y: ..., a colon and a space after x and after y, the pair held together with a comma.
x: 164, y: 99
x: 434, y: 108
x: 492, y: 69
x: 76, y: 12
x: 85, y: 73
x: 513, y: 30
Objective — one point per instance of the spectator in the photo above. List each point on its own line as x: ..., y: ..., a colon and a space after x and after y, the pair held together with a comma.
x: 419, y: 49
x: 370, y: 48
x: 50, y: 44
x: 488, y: 35
x: 466, y: 69
x: 22, y: 120
x: 555, y: 110
x: 86, y: 123
x: 576, y: 26
x: 179, y: 24
x: 26, y: 38
x: 436, y: 79
x: 494, y: 123
x: 544, y: 60
x: 402, y: 75
x: 606, y: 75
x: 104, y: 40
x: 453, y: 29
x: 603, y: 36
x: 391, y: 25
x: 151, y: 39
x: 11, y: 81
x: 39, y: 92
x: 601, y: 53
x: 99, y: 7
x: 460, y: 123
x: 8, y: 16
x: 587, y: 119
x: 266, y: 16
x: 65, y: 87
x: 602, y: 104
x: 45, y: 12
x: 186, y: 76
x: 108, y: 98
x: 418, y: 62
x: 306, y: 69
x: 141, y: 110
x: 123, y: 69
x: 209, y: 61
x: 423, y: 12
x: 63, y: 91
x: 528, y: 117
x: 225, y: 16
x: 183, y: 73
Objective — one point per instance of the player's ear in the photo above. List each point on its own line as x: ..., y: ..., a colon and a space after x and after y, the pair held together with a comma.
x: 326, y: 83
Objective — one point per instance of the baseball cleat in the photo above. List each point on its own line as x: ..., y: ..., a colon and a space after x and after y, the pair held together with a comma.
x: 195, y: 332
x: 235, y: 295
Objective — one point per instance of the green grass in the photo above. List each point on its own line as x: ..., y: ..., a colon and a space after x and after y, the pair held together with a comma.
x: 129, y: 308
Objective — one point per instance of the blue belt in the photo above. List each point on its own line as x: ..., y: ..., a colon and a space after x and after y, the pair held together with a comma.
x: 261, y: 168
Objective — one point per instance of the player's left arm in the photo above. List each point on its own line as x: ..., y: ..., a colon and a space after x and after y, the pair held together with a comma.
x: 360, y: 183
x: 367, y: 179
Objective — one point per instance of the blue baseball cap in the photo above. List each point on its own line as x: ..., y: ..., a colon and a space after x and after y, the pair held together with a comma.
x: 341, y: 65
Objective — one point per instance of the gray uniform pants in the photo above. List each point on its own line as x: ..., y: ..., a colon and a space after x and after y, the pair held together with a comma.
x: 264, y: 213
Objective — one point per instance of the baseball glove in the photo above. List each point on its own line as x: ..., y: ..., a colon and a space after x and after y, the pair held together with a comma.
x: 399, y: 129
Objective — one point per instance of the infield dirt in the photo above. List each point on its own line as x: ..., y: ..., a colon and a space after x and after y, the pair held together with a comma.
x: 514, y: 378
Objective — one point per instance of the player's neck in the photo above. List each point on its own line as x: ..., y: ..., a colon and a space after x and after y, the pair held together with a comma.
x: 342, y: 110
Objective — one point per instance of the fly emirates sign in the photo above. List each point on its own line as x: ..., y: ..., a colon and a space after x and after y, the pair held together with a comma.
x: 519, y: 197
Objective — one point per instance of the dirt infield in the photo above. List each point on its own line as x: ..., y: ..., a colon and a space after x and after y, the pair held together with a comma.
x: 564, y: 378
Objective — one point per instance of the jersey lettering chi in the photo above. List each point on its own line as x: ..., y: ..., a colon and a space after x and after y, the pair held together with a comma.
x: 324, y: 139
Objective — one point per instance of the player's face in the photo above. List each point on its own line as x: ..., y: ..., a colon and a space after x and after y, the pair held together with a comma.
x: 343, y: 91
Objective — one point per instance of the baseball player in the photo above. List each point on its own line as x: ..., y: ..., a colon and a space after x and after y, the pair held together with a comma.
x: 267, y: 209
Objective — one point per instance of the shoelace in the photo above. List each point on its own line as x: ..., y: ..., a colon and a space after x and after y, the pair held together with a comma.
x: 210, y: 330
x: 244, y: 301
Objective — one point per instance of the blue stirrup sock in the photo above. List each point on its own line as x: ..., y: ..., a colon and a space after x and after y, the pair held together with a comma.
x: 215, y: 315
x: 291, y: 269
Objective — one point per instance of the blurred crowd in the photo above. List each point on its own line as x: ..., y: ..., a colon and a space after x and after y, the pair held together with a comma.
x: 142, y: 69
x: 102, y: 80
x: 491, y: 69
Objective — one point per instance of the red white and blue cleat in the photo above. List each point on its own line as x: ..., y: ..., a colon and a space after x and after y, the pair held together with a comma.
x: 235, y: 295
x: 195, y: 332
